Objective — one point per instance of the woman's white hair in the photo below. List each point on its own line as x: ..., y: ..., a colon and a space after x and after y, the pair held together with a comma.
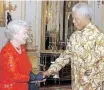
x: 14, y: 27
x: 84, y: 9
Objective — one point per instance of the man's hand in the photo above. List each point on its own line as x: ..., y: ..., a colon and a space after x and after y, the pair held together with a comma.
x: 45, y: 74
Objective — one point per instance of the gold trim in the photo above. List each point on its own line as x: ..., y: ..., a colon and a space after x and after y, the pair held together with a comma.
x: 43, y: 23
x: 2, y: 14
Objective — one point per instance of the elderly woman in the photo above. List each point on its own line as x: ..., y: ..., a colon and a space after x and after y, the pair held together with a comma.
x: 85, y: 50
x: 15, y: 65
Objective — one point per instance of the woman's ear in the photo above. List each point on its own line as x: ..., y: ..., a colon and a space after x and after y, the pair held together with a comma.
x: 14, y: 36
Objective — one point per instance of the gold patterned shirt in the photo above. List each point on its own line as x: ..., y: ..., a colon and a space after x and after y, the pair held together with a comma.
x: 85, y: 50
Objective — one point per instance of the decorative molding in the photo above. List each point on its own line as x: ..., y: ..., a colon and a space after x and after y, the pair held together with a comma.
x: 24, y: 10
x: 2, y: 14
x: 35, y: 20
x: 31, y: 44
x: 21, y: 9
x: 43, y: 23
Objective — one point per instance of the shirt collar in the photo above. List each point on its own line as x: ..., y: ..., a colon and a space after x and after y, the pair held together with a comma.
x: 88, y: 25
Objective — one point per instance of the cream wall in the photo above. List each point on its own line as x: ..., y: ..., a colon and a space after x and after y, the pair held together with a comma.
x: 29, y: 11
x: 98, y: 16
x: 103, y: 17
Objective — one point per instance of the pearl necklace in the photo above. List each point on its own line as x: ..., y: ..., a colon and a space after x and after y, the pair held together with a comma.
x: 18, y: 50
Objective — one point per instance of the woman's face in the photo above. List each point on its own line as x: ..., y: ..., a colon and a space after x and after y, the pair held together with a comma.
x: 21, y: 36
x: 79, y: 20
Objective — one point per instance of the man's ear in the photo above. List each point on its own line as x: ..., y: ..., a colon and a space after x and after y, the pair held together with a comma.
x: 87, y: 18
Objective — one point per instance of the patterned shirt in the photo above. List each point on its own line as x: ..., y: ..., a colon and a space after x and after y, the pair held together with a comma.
x: 85, y: 50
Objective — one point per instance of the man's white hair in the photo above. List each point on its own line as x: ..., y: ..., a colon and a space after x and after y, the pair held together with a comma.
x: 14, y: 27
x: 84, y: 9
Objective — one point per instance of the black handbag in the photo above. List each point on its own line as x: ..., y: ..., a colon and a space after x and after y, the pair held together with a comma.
x: 33, y: 85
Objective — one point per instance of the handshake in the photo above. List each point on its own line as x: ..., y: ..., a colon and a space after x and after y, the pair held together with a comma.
x: 41, y: 76
x: 35, y: 78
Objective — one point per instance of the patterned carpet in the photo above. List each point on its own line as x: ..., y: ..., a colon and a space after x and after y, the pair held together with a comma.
x: 56, y: 88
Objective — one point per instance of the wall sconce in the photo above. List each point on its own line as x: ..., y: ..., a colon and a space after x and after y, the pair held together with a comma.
x: 10, y: 7
x: 102, y: 2
x: 99, y: 2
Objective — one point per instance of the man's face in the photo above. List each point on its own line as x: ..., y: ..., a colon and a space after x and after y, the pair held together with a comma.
x: 79, y: 20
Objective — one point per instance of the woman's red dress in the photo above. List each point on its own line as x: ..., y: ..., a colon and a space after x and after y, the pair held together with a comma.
x: 14, y: 68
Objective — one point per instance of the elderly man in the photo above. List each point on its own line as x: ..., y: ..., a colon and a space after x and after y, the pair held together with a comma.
x: 85, y: 50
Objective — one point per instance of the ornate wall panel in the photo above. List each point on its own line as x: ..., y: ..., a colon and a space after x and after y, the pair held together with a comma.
x: 50, y: 25
x: 2, y: 14
x: 55, y: 25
